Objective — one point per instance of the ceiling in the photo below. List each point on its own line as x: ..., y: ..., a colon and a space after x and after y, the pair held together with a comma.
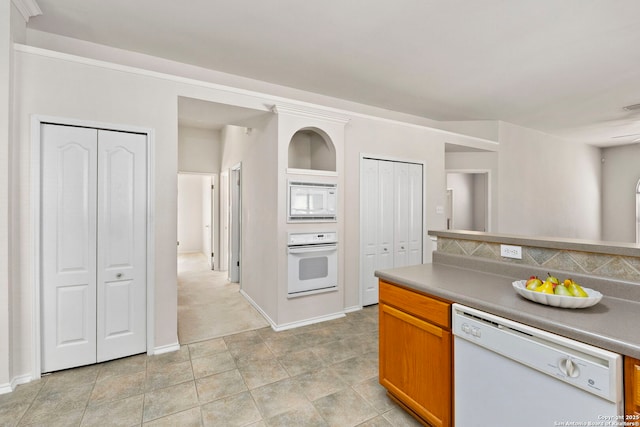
x: 563, y: 67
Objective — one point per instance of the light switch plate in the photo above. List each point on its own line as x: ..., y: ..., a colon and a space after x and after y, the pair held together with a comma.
x: 509, y: 251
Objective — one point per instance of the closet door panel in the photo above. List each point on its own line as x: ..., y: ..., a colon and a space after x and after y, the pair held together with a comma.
x: 415, y: 220
x: 369, y: 218
x: 401, y: 214
x: 385, y: 215
x: 68, y: 275
x: 121, y: 255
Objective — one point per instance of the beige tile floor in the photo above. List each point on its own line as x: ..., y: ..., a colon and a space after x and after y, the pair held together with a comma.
x: 232, y: 370
x: 318, y: 375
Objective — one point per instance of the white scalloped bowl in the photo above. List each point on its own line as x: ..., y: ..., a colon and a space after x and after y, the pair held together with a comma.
x: 558, y: 300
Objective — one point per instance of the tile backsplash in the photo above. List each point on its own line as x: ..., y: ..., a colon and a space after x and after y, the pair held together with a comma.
x: 604, y: 265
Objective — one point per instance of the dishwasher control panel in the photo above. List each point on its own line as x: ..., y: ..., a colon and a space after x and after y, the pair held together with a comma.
x: 584, y: 366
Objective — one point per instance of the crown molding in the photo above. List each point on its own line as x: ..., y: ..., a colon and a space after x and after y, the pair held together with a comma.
x: 267, y: 102
x: 27, y: 8
x: 300, y: 111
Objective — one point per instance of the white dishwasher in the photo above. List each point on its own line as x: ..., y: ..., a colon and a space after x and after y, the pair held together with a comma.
x: 510, y: 374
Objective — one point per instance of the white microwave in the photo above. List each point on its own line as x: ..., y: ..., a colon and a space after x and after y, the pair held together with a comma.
x: 311, y: 201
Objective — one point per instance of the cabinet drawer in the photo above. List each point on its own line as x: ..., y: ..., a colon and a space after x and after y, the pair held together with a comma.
x: 419, y: 305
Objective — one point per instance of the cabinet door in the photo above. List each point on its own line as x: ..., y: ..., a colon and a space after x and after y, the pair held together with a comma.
x: 415, y: 364
x: 632, y: 388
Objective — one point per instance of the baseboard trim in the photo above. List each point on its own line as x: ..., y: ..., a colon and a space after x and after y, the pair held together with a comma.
x: 291, y: 325
x: 311, y: 321
x: 260, y: 310
x: 352, y: 308
x: 10, y: 387
x: 166, y: 348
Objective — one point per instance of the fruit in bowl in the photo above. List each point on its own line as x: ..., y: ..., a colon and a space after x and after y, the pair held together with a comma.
x: 552, y: 285
x: 533, y: 282
x: 563, y: 294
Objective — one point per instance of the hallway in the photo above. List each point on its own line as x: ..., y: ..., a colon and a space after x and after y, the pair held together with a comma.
x: 208, y: 305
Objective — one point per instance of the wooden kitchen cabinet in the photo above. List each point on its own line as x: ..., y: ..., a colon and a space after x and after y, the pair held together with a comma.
x: 416, y: 353
x: 631, y: 387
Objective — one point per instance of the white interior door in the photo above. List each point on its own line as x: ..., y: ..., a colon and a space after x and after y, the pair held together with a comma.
x: 391, y: 219
x: 234, y: 247
x: 386, y: 213
x: 224, y: 220
x: 369, y: 225
x: 69, y: 181
x: 121, y: 248
x: 415, y: 216
x: 401, y: 215
x: 93, y: 245
x: 207, y: 219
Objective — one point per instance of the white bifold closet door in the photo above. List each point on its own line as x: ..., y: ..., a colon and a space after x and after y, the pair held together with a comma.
x: 391, y: 215
x: 93, y: 275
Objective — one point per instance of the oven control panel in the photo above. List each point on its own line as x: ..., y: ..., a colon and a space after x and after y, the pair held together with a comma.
x: 312, y: 238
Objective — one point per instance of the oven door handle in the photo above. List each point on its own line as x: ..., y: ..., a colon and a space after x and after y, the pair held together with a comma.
x: 312, y: 248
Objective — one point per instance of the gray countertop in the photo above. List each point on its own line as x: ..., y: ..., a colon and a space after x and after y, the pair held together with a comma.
x: 612, y: 324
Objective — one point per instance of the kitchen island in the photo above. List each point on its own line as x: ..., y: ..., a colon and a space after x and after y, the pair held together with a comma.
x: 415, y: 308
x: 612, y: 324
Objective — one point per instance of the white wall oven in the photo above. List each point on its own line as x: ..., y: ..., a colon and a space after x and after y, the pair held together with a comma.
x: 312, y: 263
x: 311, y: 201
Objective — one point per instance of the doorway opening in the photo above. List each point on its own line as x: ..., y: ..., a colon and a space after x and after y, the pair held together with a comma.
x: 468, y: 200
x: 209, y: 301
x: 197, y: 216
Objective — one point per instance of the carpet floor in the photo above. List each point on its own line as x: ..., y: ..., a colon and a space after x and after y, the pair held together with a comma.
x: 209, y: 306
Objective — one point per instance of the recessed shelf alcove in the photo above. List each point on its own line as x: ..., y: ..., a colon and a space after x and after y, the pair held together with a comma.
x: 311, y: 149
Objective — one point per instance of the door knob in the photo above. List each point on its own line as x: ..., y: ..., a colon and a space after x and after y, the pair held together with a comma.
x: 119, y: 276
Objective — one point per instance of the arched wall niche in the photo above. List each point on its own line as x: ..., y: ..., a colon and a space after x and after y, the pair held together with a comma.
x: 312, y: 149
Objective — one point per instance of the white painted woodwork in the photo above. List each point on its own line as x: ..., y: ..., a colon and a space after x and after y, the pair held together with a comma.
x: 93, y: 245
x: 401, y: 204
x: 223, y: 262
x: 207, y: 219
x: 369, y: 221
x: 68, y: 246
x: 391, y: 219
x: 415, y: 214
x: 235, y: 234
x: 121, y: 249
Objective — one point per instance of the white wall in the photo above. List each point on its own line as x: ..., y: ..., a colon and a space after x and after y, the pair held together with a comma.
x: 483, y: 162
x: 198, y: 150
x: 389, y: 140
x: 620, y: 175
x: 480, y: 211
x: 190, y: 210
x: 547, y: 186
x: 58, y: 87
x: 463, y: 188
x: 5, y: 136
x: 256, y: 150
x: 51, y: 84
